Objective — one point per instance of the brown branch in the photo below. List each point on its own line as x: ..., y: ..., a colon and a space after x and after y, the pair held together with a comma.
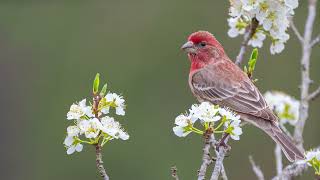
x: 250, y: 30
x: 314, y: 94
x: 305, y: 76
x: 256, y: 169
x: 99, y: 163
x: 174, y: 172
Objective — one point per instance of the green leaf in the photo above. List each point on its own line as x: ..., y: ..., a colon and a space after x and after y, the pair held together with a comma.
x: 96, y: 83
x: 253, y: 60
x: 103, y: 90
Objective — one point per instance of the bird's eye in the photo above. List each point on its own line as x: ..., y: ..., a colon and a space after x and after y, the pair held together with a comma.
x: 203, y: 44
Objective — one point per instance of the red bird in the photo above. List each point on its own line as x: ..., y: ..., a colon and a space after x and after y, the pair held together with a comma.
x: 215, y: 78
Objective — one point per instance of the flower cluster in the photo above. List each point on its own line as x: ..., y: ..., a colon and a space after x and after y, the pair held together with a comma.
x: 220, y: 120
x: 313, y: 160
x: 285, y: 106
x: 272, y: 17
x: 91, y: 123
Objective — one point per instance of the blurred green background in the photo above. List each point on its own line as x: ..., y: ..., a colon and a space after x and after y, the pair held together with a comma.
x: 51, y: 50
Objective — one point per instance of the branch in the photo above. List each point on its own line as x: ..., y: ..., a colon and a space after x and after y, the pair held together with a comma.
x: 99, y: 163
x: 315, y: 41
x: 223, y: 173
x: 256, y: 169
x: 291, y: 170
x: 206, y: 158
x: 314, y: 94
x: 247, y: 36
x: 221, y: 154
x: 296, y: 31
x: 174, y: 172
x: 305, y: 77
x: 278, y: 156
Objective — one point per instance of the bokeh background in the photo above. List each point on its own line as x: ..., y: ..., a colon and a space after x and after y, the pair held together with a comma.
x: 51, y: 50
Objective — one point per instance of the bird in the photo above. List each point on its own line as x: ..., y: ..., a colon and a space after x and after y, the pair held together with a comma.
x: 214, y: 78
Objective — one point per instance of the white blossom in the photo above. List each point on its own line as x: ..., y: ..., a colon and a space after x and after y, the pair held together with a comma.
x: 113, y: 128
x: 210, y: 116
x: 272, y: 16
x: 276, y: 47
x: 118, y: 102
x: 257, y: 39
x: 229, y: 115
x: 285, y: 106
x: 91, y: 128
x: 78, y: 110
x: 72, y: 145
x: 234, y: 129
x: 73, y: 131
x: 206, y: 112
x: 183, y: 122
x: 313, y: 155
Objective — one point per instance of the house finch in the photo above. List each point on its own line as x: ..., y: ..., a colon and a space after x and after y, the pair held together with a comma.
x: 215, y: 78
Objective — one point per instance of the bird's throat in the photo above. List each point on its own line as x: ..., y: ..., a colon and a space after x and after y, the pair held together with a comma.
x: 195, y: 65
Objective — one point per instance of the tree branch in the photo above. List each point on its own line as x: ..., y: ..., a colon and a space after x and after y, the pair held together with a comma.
x: 99, y: 163
x: 174, y: 172
x: 315, y: 41
x: 247, y: 36
x: 296, y: 31
x: 206, y: 158
x: 256, y: 169
x: 305, y: 76
x: 278, y: 157
x: 314, y: 94
x: 223, y: 171
x: 291, y: 170
x: 220, y: 156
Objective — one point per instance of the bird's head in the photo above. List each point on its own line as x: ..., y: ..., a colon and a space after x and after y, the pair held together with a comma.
x: 202, y: 47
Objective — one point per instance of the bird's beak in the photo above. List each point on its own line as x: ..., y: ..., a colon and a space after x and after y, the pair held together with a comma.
x: 189, y: 47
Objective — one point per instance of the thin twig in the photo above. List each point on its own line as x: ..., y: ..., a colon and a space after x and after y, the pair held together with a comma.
x: 247, y: 36
x: 314, y: 94
x: 305, y: 76
x: 296, y: 31
x: 278, y: 156
x: 99, y: 163
x: 315, y: 41
x: 206, y: 158
x: 256, y: 169
x: 219, y: 161
x: 174, y: 172
x: 223, y: 171
x: 291, y: 170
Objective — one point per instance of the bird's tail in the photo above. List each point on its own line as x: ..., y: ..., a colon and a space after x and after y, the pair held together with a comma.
x: 291, y: 151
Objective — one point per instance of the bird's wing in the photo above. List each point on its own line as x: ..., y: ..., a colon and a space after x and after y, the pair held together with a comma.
x: 225, y: 84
